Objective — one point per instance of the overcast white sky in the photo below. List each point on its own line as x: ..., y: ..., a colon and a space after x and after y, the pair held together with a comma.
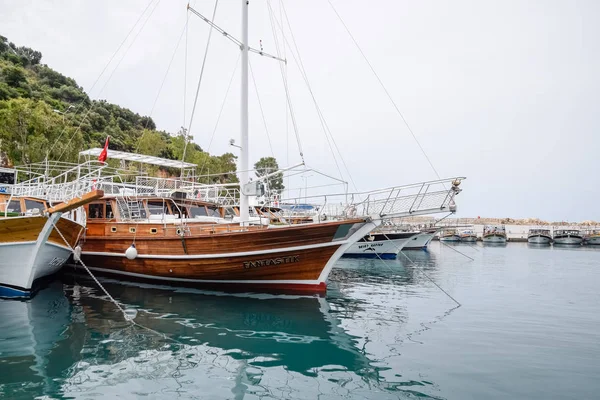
x: 503, y: 92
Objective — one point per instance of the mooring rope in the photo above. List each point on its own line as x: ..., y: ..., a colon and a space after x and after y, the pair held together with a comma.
x: 414, y: 265
x: 77, y: 258
x: 459, y: 252
x: 127, y: 317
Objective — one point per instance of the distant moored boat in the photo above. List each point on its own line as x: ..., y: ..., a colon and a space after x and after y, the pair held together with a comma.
x: 592, y: 237
x: 494, y: 234
x: 422, y: 240
x: 468, y: 236
x: 539, y: 236
x: 449, y: 235
x: 568, y: 236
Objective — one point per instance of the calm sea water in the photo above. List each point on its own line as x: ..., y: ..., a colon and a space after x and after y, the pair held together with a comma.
x: 528, y: 328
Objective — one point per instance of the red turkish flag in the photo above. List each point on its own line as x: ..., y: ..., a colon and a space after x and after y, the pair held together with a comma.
x: 104, y: 153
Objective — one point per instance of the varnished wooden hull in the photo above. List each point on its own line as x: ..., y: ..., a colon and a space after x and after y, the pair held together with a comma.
x: 295, y: 258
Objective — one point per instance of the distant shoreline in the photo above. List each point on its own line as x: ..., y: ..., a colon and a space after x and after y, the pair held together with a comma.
x: 498, y: 221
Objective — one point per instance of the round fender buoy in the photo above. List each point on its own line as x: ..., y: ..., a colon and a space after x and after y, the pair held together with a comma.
x: 131, y: 252
x: 77, y: 253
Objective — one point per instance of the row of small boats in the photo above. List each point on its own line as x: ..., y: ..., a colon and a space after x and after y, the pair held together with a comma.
x: 497, y: 234
x: 491, y: 234
x: 564, y: 236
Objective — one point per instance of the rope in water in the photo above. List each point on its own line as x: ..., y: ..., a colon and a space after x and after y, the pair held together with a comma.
x: 414, y: 265
x: 129, y: 318
x: 77, y: 258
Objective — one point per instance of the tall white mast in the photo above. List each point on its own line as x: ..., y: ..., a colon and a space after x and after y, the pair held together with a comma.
x: 244, y: 166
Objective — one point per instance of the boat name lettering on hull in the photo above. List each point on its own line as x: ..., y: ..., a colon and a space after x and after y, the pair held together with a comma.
x: 371, y: 245
x: 271, y: 261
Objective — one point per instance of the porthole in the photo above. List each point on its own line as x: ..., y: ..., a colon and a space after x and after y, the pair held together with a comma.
x: 153, y: 231
x: 132, y: 230
x: 113, y: 229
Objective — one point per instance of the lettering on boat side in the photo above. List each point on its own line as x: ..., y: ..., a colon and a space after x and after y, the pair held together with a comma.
x: 271, y: 261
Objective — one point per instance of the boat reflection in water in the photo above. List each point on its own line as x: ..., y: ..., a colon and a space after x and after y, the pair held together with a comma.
x: 36, y: 343
x: 70, y: 340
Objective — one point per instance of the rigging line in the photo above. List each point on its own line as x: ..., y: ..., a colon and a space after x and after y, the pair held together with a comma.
x: 322, y: 120
x: 220, y: 113
x: 185, y: 63
x: 418, y: 268
x: 101, y: 73
x: 285, y: 83
x: 162, y: 85
x: 109, y: 77
x: 127, y: 318
x: 287, y: 130
x: 470, y: 258
x: 261, y: 108
x: 385, y: 89
x: 414, y: 265
x: 121, y: 45
x: 199, y: 83
x: 129, y: 47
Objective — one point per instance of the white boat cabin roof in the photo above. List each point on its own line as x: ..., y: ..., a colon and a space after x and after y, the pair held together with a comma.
x: 141, y: 158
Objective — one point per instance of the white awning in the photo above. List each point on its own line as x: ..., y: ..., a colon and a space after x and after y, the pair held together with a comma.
x: 141, y: 158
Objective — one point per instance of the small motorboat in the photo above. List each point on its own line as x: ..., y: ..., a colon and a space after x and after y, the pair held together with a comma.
x: 494, y: 234
x: 568, y: 236
x: 468, y: 236
x: 539, y: 236
x: 592, y: 237
x: 449, y: 235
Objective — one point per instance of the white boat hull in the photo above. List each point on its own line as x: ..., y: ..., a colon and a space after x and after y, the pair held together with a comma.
x: 386, y: 249
x: 468, y: 239
x: 22, y: 262
x: 20, y: 267
x: 453, y: 238
x: 421, y: 241
x: 496, y: 239
x: 593, y: 240
x: 568, y: 240
x: 539, y: 239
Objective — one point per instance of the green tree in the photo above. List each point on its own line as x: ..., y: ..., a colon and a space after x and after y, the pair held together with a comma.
x: 152, y: 143
x: 14, y: 76
x: 268, y: 165
x: 30, y: 131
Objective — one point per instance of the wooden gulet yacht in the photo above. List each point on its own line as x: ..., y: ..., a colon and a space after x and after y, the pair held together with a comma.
x: 181, y: 240
x: 181, y: 247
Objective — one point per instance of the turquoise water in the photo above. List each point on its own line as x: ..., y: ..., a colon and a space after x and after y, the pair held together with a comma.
x: 528, y: 328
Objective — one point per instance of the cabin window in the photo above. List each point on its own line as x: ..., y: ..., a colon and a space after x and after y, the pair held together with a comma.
x: 198, y: 211
x: 158, y: 208
x: 30, y: 205
x: 179, y: 210
x: 109, y: 211
x: 153, y: 231
x: 96, y: 211
x: 14, y: 206
x: 131, y: 230
x: 213, y: 212
x: 113, y: 229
